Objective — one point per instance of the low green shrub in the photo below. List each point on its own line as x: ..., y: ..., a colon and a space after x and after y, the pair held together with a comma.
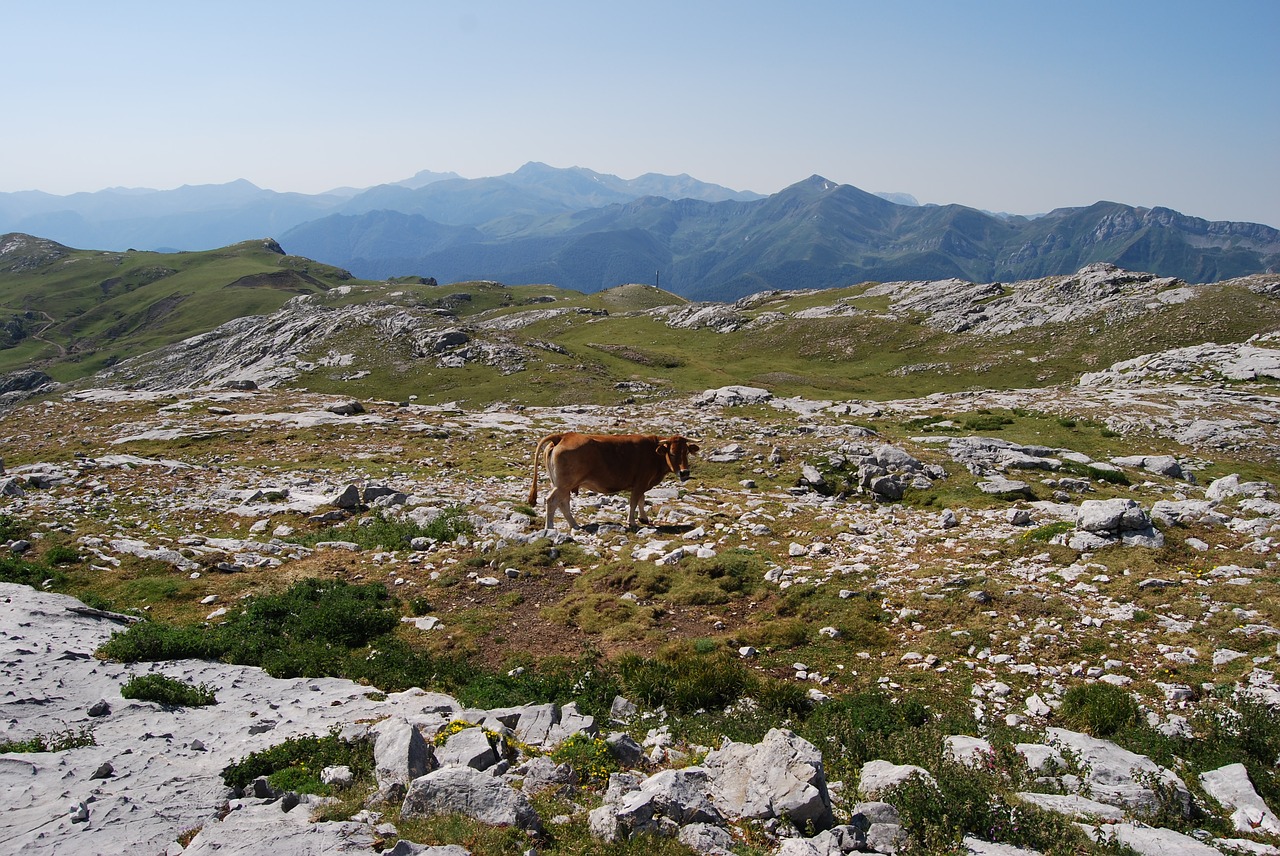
x: 683, y: 681
x: 15, y: 570
x: 170, y: 692
x: 1247, y: 731
x: 61, y: 554
x: 964, y: 801
x: 589, y: 757
x: 12, y: 528
x: 69, y: 739
x: 152, y: 641
x: 986, y: 421
x: 1093, y: 472
x: 296, y: 763
x: 306, y: 630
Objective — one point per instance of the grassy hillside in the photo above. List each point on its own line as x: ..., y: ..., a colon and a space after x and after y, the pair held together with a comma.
x: 71, y: 312
x: 74, y: 312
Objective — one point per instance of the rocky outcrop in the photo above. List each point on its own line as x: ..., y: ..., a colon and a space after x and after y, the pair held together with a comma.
x: 995, y: 309
x: 268, y: 351
x: 1106, y: 522
x: 1257, y: 359
x: 717, y: 317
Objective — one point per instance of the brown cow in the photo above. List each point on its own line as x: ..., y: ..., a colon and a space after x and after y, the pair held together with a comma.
x: 607, y: 463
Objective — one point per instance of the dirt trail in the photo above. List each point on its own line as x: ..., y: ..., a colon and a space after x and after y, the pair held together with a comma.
x: 39, y: 335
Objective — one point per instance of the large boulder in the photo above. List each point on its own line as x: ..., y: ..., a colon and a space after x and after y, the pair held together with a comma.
x: 877, y: 777
x: 782, y: 776
x: 732, y: 396
x: 477, y: 795
x: 1104, y: 522
x: 470, y: 747
x: 658, y: 805
x: 1110, y: 515
x: 400, y: 753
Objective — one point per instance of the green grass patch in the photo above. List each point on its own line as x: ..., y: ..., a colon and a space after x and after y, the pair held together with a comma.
x: 1098, y: 709
x: 734, y: 573
x: 1100, y: 473
x: 1046, y: 533
x: 381, y: 533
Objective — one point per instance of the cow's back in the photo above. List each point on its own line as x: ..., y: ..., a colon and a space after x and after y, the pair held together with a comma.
x: 606, y: 464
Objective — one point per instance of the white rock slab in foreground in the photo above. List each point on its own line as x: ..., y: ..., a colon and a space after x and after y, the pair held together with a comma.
x: 166, y: 764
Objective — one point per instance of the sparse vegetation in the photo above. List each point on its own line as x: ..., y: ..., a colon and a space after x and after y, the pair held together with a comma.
x: 380, y: 533
x: 61, y: 742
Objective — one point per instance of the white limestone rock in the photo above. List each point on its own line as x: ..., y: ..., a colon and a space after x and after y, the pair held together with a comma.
x: 878, y: 776
x: 1230, y: 786
x: 1115, y: 775
x: 466, y: 791
x: 782, y: 776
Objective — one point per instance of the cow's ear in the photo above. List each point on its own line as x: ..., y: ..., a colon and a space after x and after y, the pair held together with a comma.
x: 693, y: 449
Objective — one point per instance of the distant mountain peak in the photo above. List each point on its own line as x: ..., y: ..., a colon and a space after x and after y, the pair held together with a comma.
x: 898, y: 198
x: 423, y: 177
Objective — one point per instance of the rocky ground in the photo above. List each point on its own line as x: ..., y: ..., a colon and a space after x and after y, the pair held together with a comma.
x: 1012, y: 545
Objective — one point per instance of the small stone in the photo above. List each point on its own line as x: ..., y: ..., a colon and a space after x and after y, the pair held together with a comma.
x: 1036, y: 706
x: 338, y: 776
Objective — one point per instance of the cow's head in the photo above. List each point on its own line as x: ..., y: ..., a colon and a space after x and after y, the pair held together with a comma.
x: 676, y: 451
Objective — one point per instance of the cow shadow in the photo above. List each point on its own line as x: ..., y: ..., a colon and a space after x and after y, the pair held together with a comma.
x: 674, y: 528
x: 661, y: 528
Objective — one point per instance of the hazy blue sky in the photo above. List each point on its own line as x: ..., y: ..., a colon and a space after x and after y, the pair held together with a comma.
x: 1010, y: 106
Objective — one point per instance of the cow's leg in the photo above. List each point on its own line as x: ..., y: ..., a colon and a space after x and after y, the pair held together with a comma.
x: 558, y: 500
x: 637, y: 504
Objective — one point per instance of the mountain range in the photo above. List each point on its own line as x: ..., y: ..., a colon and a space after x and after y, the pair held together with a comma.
x: 587, y: 231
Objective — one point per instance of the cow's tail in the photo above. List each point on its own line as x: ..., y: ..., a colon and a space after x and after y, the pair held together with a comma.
x: 547, y: 442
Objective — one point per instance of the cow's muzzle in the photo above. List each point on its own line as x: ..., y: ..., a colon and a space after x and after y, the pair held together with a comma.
x: 684, y: 475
